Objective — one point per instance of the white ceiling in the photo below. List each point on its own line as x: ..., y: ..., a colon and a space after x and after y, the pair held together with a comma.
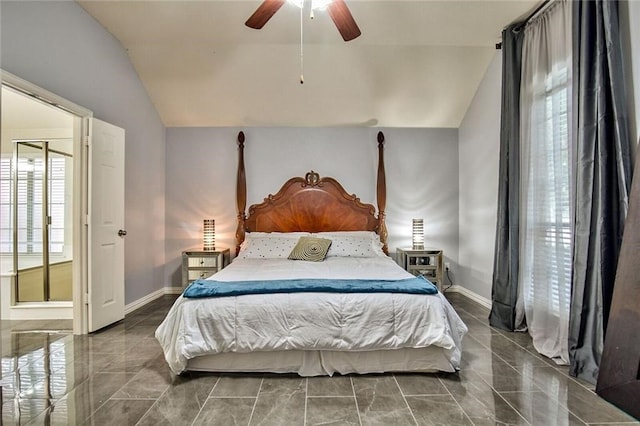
x: 23, y: 117
x: 23, y: 112
x: 416, y: 64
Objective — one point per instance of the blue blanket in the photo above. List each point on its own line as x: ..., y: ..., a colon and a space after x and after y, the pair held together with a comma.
x: 213, y: 288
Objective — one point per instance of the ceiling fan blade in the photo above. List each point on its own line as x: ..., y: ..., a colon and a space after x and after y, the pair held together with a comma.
x: 263, y: 13
x: 345, y: 23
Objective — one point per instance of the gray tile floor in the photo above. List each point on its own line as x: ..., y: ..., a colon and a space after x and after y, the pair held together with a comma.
x: 118, y: 376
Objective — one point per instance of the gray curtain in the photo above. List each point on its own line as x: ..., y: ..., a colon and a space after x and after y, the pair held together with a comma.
x: 504, y: 292
x: 603, y: 176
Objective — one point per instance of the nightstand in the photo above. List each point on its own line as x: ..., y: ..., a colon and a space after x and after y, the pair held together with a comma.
x: 198, y: 263
x: 426, y: 262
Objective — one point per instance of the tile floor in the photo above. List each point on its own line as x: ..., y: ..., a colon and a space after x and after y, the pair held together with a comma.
x: 118, y: 376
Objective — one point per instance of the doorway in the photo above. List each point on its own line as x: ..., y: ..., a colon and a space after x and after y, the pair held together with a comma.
x: 36, y: 207
x: 59, y: 211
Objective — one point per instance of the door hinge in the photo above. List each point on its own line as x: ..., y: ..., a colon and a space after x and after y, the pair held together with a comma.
x: 86, y: 299
x: 85, y: 140
x: 85, y: 220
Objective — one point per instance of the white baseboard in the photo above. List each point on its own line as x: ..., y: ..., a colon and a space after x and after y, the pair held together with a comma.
x: 471, y: 295
x: 39, y: 311
x: 150, y: 298
x: 143, y: 301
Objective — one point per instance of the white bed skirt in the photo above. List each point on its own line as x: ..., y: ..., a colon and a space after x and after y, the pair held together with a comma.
x: 326, y: 363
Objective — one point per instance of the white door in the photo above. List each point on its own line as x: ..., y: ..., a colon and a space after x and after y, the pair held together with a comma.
x: 106, y: 225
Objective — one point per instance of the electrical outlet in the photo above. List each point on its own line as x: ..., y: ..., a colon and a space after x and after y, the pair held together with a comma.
x: 447, y: 266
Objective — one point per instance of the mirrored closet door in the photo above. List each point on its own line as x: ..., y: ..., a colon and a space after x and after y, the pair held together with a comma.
x: 42, y: 214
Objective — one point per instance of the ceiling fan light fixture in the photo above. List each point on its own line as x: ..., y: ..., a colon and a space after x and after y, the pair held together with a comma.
x: 337, y: 10
x: 320, y: 4
x: 315, y: 4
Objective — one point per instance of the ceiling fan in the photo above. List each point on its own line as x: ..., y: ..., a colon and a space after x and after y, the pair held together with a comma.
x: 338, y: 11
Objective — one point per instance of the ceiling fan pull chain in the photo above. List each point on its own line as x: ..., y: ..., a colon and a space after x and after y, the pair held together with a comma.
x: 301, y: 42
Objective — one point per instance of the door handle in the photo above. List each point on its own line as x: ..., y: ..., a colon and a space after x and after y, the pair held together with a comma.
x: 122, y: 233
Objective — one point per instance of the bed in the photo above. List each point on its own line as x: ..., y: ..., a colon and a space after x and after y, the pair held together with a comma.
x: 349, y: 312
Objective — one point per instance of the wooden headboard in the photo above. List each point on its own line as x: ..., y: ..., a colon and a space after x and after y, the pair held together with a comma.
x: 310, y: 203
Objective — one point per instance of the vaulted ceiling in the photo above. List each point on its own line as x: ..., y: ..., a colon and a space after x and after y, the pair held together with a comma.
x: 416, y: 64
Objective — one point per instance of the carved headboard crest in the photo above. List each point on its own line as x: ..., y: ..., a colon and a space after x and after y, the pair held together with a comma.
x: 312, y: 179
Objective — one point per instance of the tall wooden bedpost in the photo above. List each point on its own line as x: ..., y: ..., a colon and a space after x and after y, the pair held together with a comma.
x: 382, y: 193
x: 241, y: 193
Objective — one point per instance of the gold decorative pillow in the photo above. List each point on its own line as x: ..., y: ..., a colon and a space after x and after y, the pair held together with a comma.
x: 311, y: 249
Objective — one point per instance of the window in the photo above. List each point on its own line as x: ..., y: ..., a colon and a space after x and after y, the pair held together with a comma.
x: 548, y: 211
x: 29, y: 198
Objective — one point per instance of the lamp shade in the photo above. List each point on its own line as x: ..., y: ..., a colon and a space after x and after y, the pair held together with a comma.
x: 209, y: 234
x: 418, y: 234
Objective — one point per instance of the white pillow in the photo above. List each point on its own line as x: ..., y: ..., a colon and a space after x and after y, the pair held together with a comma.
x: 269, y: 245
x: 294, y: 235
x: 353, y: 244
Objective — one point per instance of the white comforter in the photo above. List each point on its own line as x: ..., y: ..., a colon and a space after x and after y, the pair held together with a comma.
x: 309, y: 321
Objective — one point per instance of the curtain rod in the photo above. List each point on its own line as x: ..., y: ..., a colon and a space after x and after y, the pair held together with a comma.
x: 535, y: 12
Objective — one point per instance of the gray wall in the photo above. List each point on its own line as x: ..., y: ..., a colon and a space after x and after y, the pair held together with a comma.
x: 479, y: 144
x: 60, y: 48
x: 421, y: 169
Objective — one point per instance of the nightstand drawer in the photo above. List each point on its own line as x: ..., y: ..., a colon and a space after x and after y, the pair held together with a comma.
x: 421, y: 260
x: 203, y: 262
x: 430, y: 274
x: 195, y: 274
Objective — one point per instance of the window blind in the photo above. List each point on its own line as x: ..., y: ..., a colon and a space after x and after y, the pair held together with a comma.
x: 548, y: 206
x: 28, y: 197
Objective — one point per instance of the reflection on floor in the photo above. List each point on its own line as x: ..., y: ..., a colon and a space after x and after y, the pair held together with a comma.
x: 118, y: 376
